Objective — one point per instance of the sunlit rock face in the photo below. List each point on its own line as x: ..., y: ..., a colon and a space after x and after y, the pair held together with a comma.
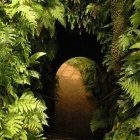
x: 74, y: 106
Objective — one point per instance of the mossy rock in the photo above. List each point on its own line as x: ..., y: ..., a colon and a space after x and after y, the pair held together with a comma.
x: 88, y: 70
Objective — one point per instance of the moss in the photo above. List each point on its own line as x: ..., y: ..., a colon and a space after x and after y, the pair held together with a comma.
x: 87, y: 69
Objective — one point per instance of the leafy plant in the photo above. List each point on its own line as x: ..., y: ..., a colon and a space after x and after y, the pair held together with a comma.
x: 97, y: 121
x: 89, y: 16
x: 122, y: 53
x: 127, y: 130
x: 23, y: 118
x: 130, y: 70
x: 22, y: 115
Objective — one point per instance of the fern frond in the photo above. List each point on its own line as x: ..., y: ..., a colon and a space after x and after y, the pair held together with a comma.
x: 20, y: 2
x: 32, y: 111
x: 57, y: 11
x: 33, y: 124
x: 30, y: 17
x: 12, y: 125
x: 125, y: 130
x: 7, y: 35
x: 11, y: 91
x: 34, y: 74
x: 108, y: 61
x: 34, y: 57
x: 48, y: 21
x: 28, y: 13
x: 135, y: 19
x: 131, y: 73
x: 136, y: 4
x: 36, y: 137
x: 125, y: 41
x: 25, y: 115
x: 97, y: 121
x: 26, y: 103
x: 135, y: 46
x: 132, y: 88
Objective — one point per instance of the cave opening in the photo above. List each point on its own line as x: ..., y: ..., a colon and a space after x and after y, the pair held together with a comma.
x: 70, y: 44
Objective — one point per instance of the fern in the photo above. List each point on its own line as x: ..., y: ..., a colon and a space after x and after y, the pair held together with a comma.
x: 97, y: 121
x: 22, y: 116
x: 131, y: 73
x: 136, y: 4
x: 125, y: 41
x: 108, y: 61
x: 126, y: 130
x: 132, y: 88
x: 20, y: 2
x: 32, y: 115
x: 25, y: 115
x: 28, y: 14
x: 126, y: 121
x: 48, y: 22
x: 34, y: 16
x: 34, y: 57
x: 135, y: 19
x: 28, y: 17
x: 130, y: 70
x: 12, y: 125
x: 135, y: 46
x: 57, y: 11
x: 8, y: 35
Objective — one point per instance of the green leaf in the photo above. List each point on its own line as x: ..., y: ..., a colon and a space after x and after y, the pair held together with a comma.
x: 135, y: 46
x: 136, y: 4
x: 126, y: 129
x: 135, y: 19
x: 36, y: 56
x: 34, y: 74
x: 57, y: 11
x: 131, y: 88
x: 125, y: 41
x: 97, y: 121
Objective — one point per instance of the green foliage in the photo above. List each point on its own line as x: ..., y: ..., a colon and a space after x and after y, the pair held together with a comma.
x: 22, y: 116
x: 121, y: 103
x: 90, y: 16
x: 132, y: 88
x: 126, y: 123
x: 98, y: 121
x: 28, y: 24
x: 108, y: 61
x: 34, y: 57
x: 88, y: 69
x: 94, y: 18
x: 124, y: 114
x: 126, y: 41
x: 33, y: 16
x: 130, y: 70
x: 127, y: 130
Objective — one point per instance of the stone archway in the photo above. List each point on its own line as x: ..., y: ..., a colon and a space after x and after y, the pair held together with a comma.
x: 69, y: 46
x: 74, y: 106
